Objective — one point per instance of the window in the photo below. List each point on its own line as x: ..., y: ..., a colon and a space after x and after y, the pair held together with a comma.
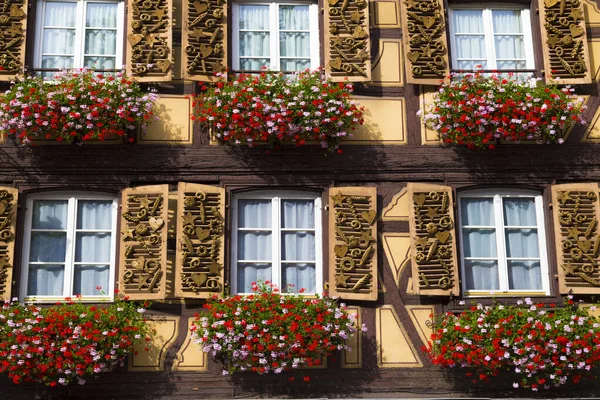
x: 503, y: 242
x: 80, y: 33
x: 497, y: 38
x: 279, y: 36
x: 69, y: 246
x: 277, y: 237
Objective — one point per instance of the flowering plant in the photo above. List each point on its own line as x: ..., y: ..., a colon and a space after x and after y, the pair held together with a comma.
x: 544, y: 347
x: 474, y: 110
x: 279, y: 109
x: 272, y: 332
x: 75, y: 105
x: 66, y: 342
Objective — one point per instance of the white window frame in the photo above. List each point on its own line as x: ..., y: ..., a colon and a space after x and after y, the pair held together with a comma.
x: 78, y: 59
x: 498, y: 195
x: 276, y: 197
x: 489, y: 33
x: 72, y: 198
x: 274, y: 30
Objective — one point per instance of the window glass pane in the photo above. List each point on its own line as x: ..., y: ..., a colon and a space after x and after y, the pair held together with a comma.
x: 298, y: 246
x: 100, y: 62
x: 509, y: 47
x: 525, y: 275
x: 294, y: 44
x: 94, y: 214
x: 514, y: 65
x: 298, y: 276
x: 471, y: 48
x: 507, y: 21
x: 479, y: 242
x: 471, y: 65
x: 254, y: 213
x: 522, y: 243
x: 294, y: 18
x: 45, y: 280
x: 59, y: 14
x: 254, y: 64
x: 255, y: 44
x: 468, y: 21
x: 477, y: 211
x: 481, y: 275
x: 100, y: 42
x: 248, y: 273
x: 92, y: 247
x: 298, y: 214
x: 59, y: 41
x: 48, y: 247
x: 254, y: 17
x: 101, y: 15
x: 50, y: 214
x: 87, y: 277
x: 56, y: 62
x: 294, y: 64
x: 519, y: 211
x: 254, y: 246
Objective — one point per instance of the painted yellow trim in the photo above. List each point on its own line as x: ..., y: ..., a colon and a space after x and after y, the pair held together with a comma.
x: 398, y: 208
x: 394, y: 348
x: 353, y: 359
x: 167, y: 329
x: 190, y: 356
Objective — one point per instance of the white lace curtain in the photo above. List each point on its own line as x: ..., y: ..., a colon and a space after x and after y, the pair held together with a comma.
x: 297, y: 244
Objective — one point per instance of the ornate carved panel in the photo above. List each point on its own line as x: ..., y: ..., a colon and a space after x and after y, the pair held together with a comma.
x: 353, y: 242
x: 576, y: 212
x: 149, y: 37
x: 143, y: 256
x: 200, y: 240
x: 425, y: 44
x: 433, y: 246
x: 204, y: 38
x: 563, y: 33
x: 13, y: 24
x: 8, y: 219
x: 347, y: 40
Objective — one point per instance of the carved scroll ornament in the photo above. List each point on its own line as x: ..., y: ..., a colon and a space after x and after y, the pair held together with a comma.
x: 13, y: 23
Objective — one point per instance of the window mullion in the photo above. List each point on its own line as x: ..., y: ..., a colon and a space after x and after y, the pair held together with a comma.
x: 276, y: 242
x: 274, y: 20
x: 527, y: 40
x: 543, y: 254
x: 488, y: 28
x: 500, y: 243
x: 80, y: 35
x: 70, y: 251
x: 318, y: 246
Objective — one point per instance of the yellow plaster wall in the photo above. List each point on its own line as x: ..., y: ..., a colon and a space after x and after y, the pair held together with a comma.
x: 386, y: 14
x: 394, y: 349
x: 174, y: 124
x: 167, y: 329
x: 396, y: 247
x: 190, y: 356
x: 353, y: 359
x: 398, y: 208
x: 385, y: 122
x: 421, y: 318
x: 428, y: 136
x: 388, y: 67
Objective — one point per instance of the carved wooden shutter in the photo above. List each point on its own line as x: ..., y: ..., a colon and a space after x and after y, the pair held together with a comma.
x: 425, y: 43
x: 565, y: 41
x: 8, y: 220
x: 353, y: 243
x: 347, y: 40
x: 204, y: 39
x: 576, y: 211
x: 143, y: 252
x: 149, y: 37
x: 200, y: 241
x: 13, y: 26
x: 433, y: 240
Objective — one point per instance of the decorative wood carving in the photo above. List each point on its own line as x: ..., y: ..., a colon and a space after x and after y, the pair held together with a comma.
x: 143, y: 258
x: 204, y: 39
x: 576, y: 212
x: 13, y: 25
x: 353, y: 242
x: 433, y: 246
x: 200, y: 241
x: 563, y: 33
x: 149, y: 34
x: 347, y: 40
x: 425, y: 44
x: 8, y: 219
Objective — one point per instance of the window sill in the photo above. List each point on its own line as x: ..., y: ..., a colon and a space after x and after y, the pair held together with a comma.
x: 62, y: 300
x: 474, y: 294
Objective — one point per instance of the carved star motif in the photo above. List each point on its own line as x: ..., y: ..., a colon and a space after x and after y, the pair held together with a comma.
x: 428, y: 50
x: 338, y: 199
x: 422, y: 241
x: 197, y: 33
x: 336, y: 41
x: 188, y: 218
x: 576, y: 14
x: 214, y: 268
x: 410, y: 3
x: 4, y: 264
x: 573, y: 233
x: 362, y: 55
x: 15, y: 30
x: 366, y: 236
x: 564, y: 196
x: 341, y: 280
x: 152, y: 39
x: 432, y: 212
x: 569, y: 269
x: 129, y: 234
x: 160, y: 13
x: 143, y: 201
